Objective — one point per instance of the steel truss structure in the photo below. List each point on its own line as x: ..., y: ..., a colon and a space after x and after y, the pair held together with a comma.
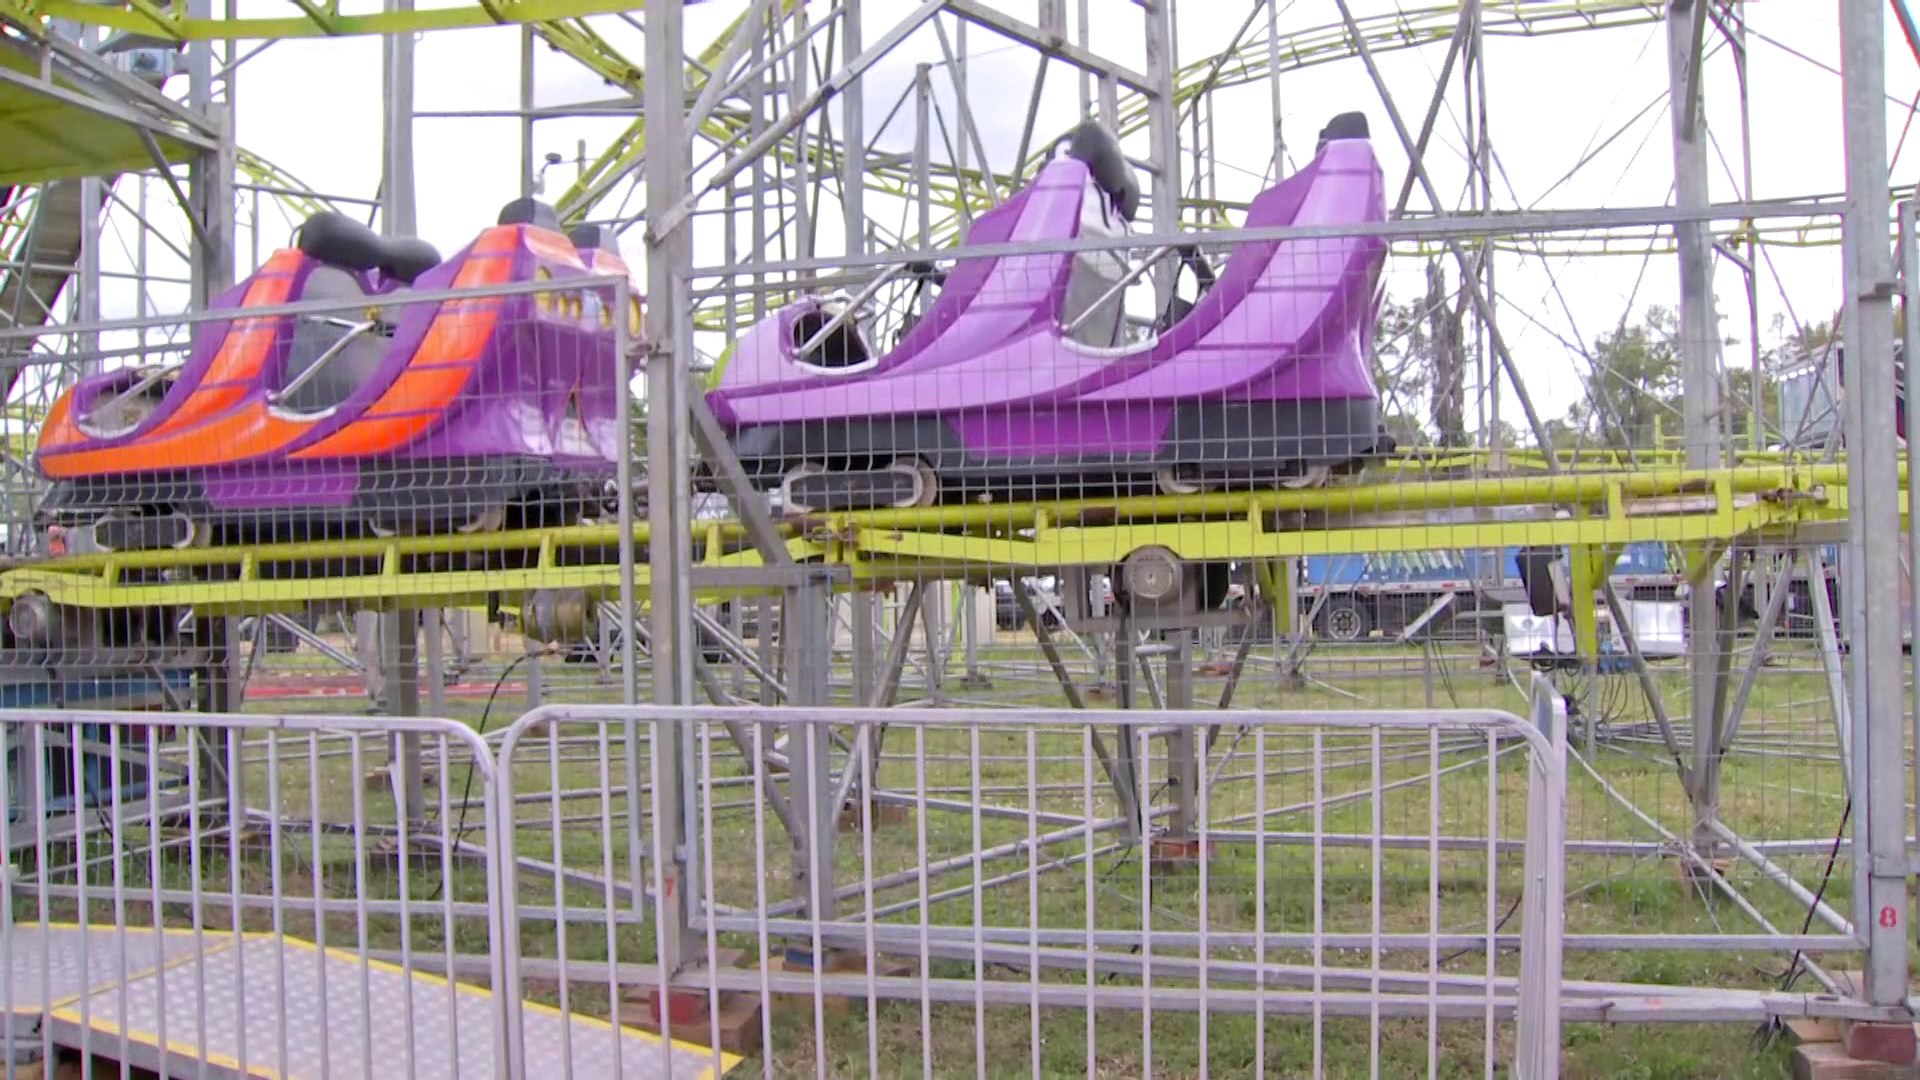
x: 768, y: 125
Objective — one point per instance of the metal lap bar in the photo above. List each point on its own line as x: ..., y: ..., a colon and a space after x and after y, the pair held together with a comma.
x: 354, y: 330
x: 1118, y: 287
x: 851, y: 310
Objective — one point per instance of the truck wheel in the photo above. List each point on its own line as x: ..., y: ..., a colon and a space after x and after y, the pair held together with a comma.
x: 1344, y: 618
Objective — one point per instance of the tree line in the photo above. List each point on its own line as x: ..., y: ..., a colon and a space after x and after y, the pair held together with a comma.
x: 1631, y: 393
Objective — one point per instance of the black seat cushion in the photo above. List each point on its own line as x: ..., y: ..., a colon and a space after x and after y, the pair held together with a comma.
x: 529, y: 211
x: 1093, y: 144
x: 338, y: 240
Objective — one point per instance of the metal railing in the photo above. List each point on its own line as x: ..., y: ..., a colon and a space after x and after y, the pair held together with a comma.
x: 244, y: 888
x: 1145, y: 916
x: 231, y: 887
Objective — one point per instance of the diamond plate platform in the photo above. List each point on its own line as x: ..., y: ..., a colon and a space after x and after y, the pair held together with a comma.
x: 61, y: 962
x: 283, y: 1008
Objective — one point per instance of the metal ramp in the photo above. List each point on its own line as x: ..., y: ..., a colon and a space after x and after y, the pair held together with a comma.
x: 263, y: 1005
x: 50, y: 243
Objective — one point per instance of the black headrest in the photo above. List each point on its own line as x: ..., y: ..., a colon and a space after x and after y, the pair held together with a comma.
x: 1348, y: 125
x: 1093, y: 144
x: 589, y: 237
x: 341, y: 241
x: 529, y: 211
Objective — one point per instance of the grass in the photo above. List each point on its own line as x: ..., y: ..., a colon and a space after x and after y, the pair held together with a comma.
x: 1787, y: 792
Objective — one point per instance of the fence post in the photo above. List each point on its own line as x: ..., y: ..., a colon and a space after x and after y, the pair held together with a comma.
x: 1543, y: 895
x: 503, y: 893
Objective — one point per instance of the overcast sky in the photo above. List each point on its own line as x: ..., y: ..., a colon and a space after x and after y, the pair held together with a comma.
x: 313, y: 107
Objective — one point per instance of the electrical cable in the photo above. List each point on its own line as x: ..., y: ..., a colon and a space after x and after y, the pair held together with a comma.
x: 466, y: 792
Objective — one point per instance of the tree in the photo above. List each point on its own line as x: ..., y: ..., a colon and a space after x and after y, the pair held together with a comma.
x: 1419, y: 360
x: 1447, y: 359
x: 1634, y: 387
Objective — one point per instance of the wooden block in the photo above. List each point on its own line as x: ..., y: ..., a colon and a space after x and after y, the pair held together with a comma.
x: 1813, y: 1029
x: 1829, y: 1061
x: 1892, y: 1043
x: 1179, y: 853
x: 694, y: 1015
x: 881, y: 814
x: 838, y: 963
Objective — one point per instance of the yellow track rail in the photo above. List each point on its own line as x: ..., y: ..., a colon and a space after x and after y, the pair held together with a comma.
x: 1696, y: 512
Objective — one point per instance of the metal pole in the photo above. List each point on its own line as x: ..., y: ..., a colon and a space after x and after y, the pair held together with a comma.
x: 1273, y: 84
x: 526, y: 110
x: 1757, y: 425
x: 401, y: 629
x: 756, y: 124
x: 1183, y: 763
x: 1083, y: 29
x: 923, y: 149
x: 400, y: 634
x: 1874, y: 524
x: 396, y: 193
x: 1163, y: 138
x: 210, y: 176
x: 806, y: 631
x: 432, y: 621
x: 92, y: 205
x: 853, y: 145
x: 1910, y: 309
x: 1483, y: 166
x: 1698, y: 330
x: 669, y: 471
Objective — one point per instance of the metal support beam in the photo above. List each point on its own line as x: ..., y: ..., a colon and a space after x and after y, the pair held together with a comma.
x: 1469, y: 269
x: 665, y: 219
x: 397, y: 185
x: 1688, y: 108
x: 807, y: 631
x: 717, y: 87
x: 1183, y: 758
x: 669, y: 475
x: 1079, y: 56
x: 1469, y: 12
x: 1910, y: 309
x: 1163, y: 139
x: 1879, y: 808
x: 400, y: 655
x: 1699, y: 360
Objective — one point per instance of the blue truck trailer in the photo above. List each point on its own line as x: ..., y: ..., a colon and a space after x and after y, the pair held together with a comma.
x: 1387, y: 591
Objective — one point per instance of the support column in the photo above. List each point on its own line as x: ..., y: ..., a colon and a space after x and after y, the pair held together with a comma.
x: 396, y: 189
x: 807, y: 633
x: 1910, y: 307
x: 1181, y: 844
x: 853, y: 120
x: 400, y: 630
x: 970, y: 635
x: 526, y: 110
x: 431, y: 622
x: 669, y: 473
x: 210, y: 177
x: 1163, y: 138
x: 366, y: 649
x: 1699, y: 351
x: 400, y: 657
x: 1879, y: 808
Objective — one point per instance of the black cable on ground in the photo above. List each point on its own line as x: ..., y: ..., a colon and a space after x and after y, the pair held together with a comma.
x: 466, y: 792
x: 1772, y: 1027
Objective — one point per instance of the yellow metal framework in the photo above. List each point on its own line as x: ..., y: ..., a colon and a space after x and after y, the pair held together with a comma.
x: 1699, y: 513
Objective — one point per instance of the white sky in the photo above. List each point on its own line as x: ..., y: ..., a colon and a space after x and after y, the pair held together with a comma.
x: 313, y: 107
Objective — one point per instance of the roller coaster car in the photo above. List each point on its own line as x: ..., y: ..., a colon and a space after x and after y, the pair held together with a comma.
x: 429, y: 416
x: 1019, y: 379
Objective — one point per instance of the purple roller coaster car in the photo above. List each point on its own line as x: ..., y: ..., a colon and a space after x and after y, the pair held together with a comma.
x: 1019, y: 379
